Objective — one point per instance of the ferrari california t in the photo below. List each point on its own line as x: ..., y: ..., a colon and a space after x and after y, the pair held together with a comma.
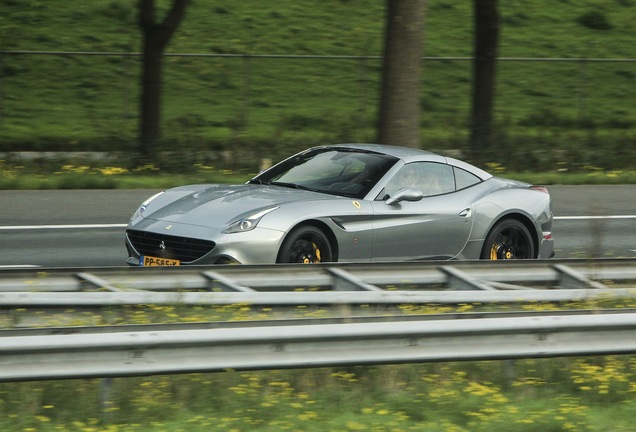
x: 348, y: 203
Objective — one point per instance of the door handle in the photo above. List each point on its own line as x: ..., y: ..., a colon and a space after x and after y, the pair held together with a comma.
x: 465, y: 213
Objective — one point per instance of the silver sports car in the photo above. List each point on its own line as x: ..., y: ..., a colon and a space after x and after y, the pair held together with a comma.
x: 350, y: 202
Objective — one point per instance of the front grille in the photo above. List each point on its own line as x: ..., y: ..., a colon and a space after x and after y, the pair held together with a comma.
x: 184, y: 249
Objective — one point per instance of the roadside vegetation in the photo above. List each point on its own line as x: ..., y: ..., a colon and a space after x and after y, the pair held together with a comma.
x: 562, y: 115
x: 91, y: 175
x: 581, y: 394
x: 562, y: 394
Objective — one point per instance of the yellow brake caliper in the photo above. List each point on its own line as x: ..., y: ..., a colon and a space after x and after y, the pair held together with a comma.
x: 316, y: 255
x: 493, y: 251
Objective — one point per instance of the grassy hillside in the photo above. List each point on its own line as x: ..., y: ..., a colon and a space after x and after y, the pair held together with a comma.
x: 551, y: 114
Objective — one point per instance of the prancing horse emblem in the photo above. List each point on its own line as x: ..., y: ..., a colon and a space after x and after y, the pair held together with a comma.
x: 162, y: 245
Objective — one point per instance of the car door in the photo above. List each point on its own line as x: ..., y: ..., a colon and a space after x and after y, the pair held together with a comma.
x: 435, y: 227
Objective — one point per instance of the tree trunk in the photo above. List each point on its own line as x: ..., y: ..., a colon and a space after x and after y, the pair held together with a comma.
x: 155, y: 38
x: 399, y: 116
x: 150, y: 98
x: 482, y: 140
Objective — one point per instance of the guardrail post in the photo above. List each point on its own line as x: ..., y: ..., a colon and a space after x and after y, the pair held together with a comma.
x: 105, y: 402
x: 510, y: 373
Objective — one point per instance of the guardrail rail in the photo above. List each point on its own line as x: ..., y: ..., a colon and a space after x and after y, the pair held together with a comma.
x: 112, y: 352
x: 325, y: 284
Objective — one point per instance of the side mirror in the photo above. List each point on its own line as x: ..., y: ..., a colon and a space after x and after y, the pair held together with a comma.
x: 405, y: 194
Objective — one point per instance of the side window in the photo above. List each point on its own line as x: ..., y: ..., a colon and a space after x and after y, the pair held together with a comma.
x: 429, y: 177
x: 465, y: 179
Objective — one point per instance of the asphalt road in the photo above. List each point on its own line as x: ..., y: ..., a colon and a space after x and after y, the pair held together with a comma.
x: 85, y: 228
x: 49, y: 228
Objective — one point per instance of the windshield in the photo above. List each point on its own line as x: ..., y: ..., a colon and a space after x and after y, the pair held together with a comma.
x: 337, y: 171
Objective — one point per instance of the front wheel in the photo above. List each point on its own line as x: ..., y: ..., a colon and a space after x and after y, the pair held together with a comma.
x: 508, y: 239
x: 305, y: 245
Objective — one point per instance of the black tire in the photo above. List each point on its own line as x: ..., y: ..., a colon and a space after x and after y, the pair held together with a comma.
x: 508, y: 239
x: 305, y: 245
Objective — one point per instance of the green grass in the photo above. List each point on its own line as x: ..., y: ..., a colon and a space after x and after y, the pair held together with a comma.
x: 550, y: 114
x: 581, y: 394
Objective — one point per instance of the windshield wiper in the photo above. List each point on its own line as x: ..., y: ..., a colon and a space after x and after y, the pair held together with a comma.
x: 295, y: 186
x: 290, y: 185
x: 285, y: 184
x: 256, y: 181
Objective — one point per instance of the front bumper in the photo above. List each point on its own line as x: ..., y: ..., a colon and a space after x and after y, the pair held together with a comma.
x: 258, y: 246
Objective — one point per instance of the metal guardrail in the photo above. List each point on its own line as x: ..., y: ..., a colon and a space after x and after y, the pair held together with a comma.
x: 112, y: 353
x: 354, y: 284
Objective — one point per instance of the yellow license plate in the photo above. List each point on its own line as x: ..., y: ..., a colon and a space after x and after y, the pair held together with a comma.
x: 150, y: 261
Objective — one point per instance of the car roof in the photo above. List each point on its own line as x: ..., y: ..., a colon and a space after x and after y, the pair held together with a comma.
x: 410, y: 154
x: 391, y: 150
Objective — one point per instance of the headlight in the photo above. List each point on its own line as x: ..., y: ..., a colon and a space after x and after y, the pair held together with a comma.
x: 143, y: 206
x: 247, y: 223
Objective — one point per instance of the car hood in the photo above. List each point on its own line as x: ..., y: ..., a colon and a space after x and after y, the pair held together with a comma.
x: 216, y: 205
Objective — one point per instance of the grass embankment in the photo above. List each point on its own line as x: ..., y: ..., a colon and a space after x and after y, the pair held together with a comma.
x: 564, y: 115
x: 548, y: 395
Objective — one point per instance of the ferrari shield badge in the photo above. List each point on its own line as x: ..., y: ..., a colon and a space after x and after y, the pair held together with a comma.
x: 356, y: 204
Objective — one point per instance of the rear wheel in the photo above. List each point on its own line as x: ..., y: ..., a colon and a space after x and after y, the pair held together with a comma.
x: 508, y: 239
x: 305, y: 245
